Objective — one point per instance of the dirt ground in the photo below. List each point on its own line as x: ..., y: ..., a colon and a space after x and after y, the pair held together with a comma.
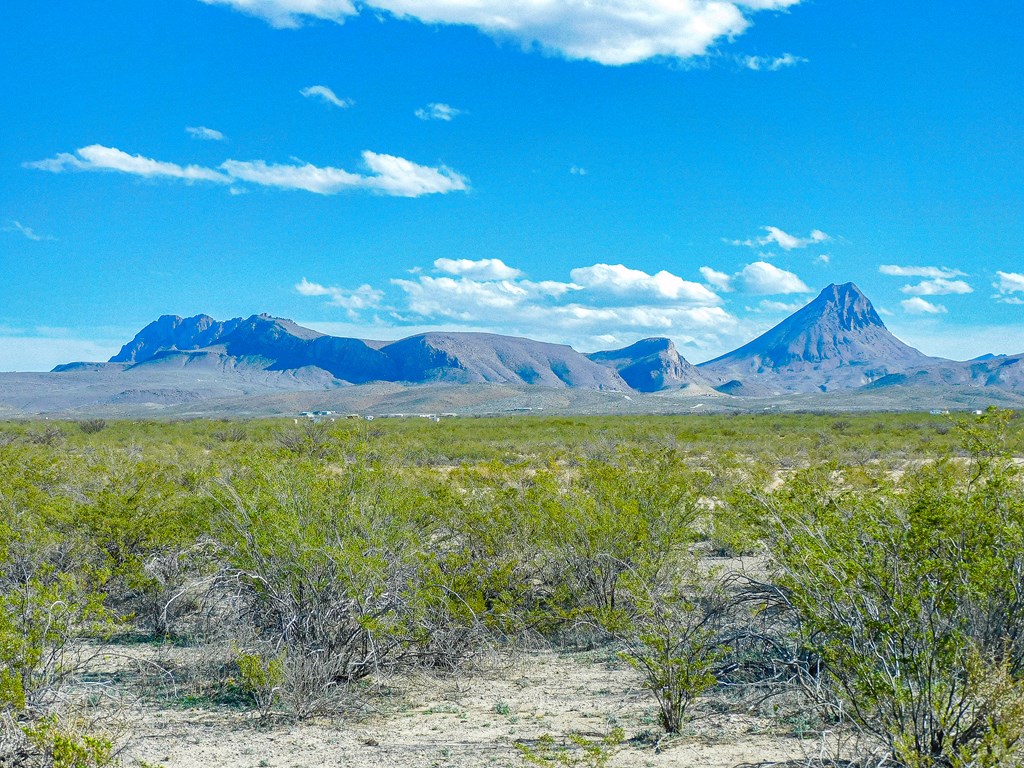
x: 475, y: 720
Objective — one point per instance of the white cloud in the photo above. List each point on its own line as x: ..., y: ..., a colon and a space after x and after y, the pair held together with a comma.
x: 389, y: 175
x: 784, y: 240
x: 719, y: 280
x: 610, y: 32
x: 577, y: 170
x: 1009, y: 283
x: 289, y: 14
x: 918, y: 306
x: 479, y: 269
x: 620, y: 280
x: 764, y: 278
x: 204, y: 133
x: 488, y: 295
x: 31, y: 234
x: 438, y: 111
x: 353, y: 301
x: 823, y: 258
x: 533, y: 309
x: 771, y: 63
x: 778, y: 307
x: 894, y: 270
x: 940, y: 286
x: 326, y: 95
x: 404, y: 178
x: 96, y: 157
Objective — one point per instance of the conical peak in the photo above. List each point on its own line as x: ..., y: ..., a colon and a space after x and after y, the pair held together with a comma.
x: 846, y: 305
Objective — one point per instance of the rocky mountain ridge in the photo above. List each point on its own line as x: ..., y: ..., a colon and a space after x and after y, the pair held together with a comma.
x: 836, y: 343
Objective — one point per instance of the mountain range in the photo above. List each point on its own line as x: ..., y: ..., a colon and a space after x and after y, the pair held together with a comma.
x: 837, y: 343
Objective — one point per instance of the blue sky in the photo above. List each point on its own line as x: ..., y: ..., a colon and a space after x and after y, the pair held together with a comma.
x: 589, y: 173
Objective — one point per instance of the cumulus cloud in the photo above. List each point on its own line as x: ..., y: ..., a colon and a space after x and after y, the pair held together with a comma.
x: 353, y: 301
x: 940, y: 286
x: 918, y: 306
x: 388, y: 174
x: 478, y: 269
x: 203, y: 133
x: 534, y: 307
x: 719, y: 280
x: 28, y: 232
x: 771, y: 63
x: 96, y: 157
x: 784, y: 240
x: 611, y: 32
x: 767, y: 279
x: 621, y: 280
x: 944, y: 273
x: 489, y: 295
x: 326, y: 95
x: 1009, y: 284
x: 438, y: 111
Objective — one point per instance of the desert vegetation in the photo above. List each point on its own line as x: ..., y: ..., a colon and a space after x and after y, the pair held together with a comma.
x: 857, y: 582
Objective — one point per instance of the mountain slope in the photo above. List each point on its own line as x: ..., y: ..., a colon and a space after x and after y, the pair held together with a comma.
x: 266, y: 343
x: 838, y: 341
x: 651, y: 365
x: 170, y: 332
x: 1002, y: 371
x: 488, y: 357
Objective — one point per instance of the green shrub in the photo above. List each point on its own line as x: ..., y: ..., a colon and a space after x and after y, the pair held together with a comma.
x: 575, y: 750
x: 910, y: 597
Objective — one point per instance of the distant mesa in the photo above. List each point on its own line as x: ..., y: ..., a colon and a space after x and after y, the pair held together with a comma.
x: 836, y: 343
x: 651, y: 365
x: 272, y: 344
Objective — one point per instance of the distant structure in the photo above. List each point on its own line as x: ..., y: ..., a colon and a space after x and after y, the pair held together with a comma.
x: 318, y: 415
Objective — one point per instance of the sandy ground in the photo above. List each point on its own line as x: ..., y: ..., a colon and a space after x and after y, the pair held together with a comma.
x: 473, y: 721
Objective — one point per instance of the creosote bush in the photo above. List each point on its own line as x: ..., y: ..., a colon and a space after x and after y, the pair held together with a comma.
x: 910, y: 594
x: 884, y: 583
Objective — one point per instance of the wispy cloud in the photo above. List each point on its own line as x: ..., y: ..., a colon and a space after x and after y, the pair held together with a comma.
x: 945, y: 273
x: 578, y: 170
x: 940, y: 286
x: 918, y: 306
x: 203, y: 133
x: 1008, y: 285
x: 438, y: 111
x: 611, y: 33
x: 771, y: 63
x: 784, y: 240
x: 767, y: 279
x: 777, y: 307
x: 96, y: 157
x: 326, y: 95
x: 388, y: 174
x: 28, y: 232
